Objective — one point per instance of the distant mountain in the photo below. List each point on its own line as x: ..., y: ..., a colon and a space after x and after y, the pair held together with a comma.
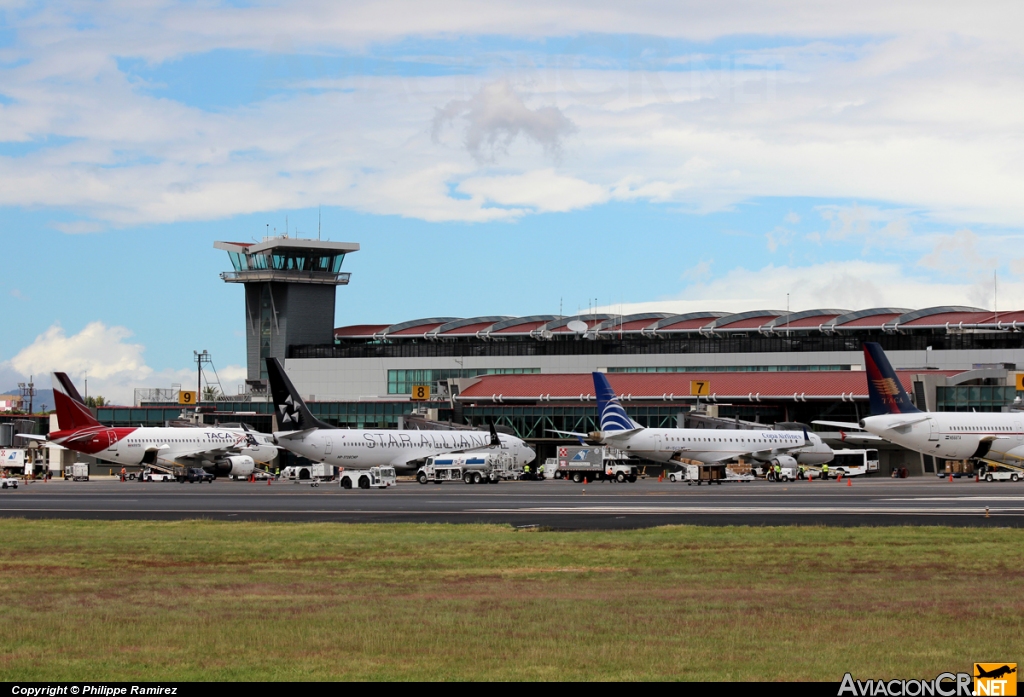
x: 43, y: 397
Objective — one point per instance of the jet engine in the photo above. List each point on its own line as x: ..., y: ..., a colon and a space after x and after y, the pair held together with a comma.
x: 784, y: 461
x: 235, y: 466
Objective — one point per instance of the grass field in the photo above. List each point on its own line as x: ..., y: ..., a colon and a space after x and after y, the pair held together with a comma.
x: 221, y: 601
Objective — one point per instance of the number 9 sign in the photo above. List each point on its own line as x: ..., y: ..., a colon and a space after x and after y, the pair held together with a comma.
x: 187, y: 397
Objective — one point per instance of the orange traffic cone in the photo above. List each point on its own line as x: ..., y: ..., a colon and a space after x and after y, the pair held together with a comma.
x: 951, y: 479
x: 849, y: 482
x: 584, y: 481
x: 661, y: 477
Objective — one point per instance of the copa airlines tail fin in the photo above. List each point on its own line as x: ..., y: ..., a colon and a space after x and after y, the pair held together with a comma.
x: 292, y: 413
x: 72, y: 414
x: 884, y: 388
x: 614, y: 420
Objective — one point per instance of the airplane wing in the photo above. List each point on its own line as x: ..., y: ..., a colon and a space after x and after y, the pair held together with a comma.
x: 619, y: 435
x: 27, y: 436
x: 909, y: 422
x: 293, y: 435
x: 841, y: 425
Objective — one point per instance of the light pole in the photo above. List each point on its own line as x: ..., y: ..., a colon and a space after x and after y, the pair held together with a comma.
x: 200, y: 359
x: 28, y: 391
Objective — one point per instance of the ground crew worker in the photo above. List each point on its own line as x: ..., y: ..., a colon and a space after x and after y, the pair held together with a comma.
x: 803, y: 471
x: 778, y: 472
x: 540, y: 471
x: 526, y: 471
x: 824, y: 471
x: 122, y: 474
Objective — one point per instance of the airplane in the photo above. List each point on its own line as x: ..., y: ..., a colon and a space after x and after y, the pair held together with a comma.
x: 788, y: 448
x: 218, y: 450
x: 947, y: 434
x: 997, y: 673
x: 356, y: 448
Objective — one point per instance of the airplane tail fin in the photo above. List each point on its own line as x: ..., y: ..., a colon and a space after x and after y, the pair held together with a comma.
x: 884, y: 388
x: 614, y: 418
x: 292, y: 413
x: 72, y: 414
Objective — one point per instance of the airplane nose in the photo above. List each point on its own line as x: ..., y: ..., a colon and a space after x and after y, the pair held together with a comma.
x: 532, y: 454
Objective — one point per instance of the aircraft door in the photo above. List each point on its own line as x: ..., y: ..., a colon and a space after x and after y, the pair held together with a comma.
x: 328, y: 444
x: 1019, y: 430
x: 933, y: 430
x: 658, y: 444
x: 112, y: 441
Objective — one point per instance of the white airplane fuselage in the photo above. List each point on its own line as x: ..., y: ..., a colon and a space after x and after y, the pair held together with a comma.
x: 128, y: 446
x: 362, y: 449
x: 703, y: 445
x: 954, y: 435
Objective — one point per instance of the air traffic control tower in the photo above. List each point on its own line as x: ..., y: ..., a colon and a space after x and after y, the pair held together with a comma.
x: 290, y: 287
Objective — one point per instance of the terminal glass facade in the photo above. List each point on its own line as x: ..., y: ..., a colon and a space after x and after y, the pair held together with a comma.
x: 402, y: 381
x: 975, y: 397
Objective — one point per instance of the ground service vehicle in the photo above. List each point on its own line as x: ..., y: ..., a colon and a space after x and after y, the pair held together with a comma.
x: 854, y: 463
x: 149, y: 475
x: 699, y: 474
x: 997, y: 473
x: 471, y: 469
x: 317, y: 471
x: 7, y: 483
x: 196, y: 474
x: 591, y: 464
x: 78, y: 472
x: 373, y: 478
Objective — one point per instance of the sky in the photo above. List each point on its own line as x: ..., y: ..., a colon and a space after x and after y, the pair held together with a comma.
x: 498, y: 158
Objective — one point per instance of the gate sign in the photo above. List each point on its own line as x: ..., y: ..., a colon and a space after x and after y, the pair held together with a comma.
x: 1020, y: 382
x: 421, y: 393
x: 187, y: 397
x: 700, y: 388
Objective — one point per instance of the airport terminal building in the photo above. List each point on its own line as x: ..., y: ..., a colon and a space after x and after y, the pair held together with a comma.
x: 531, y: 373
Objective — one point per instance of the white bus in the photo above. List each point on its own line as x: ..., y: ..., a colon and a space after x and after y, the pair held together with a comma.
x: 853, y: 463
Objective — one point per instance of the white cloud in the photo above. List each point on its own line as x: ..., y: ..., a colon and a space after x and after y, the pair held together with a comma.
x: 495, y: 116
x: 850, y: 285
x: 541, y: 190
x: 922, y: 116
x: 113, y: 365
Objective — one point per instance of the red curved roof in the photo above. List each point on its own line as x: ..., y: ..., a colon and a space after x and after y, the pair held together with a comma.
x: 696, y: 323
x: 418, y: 330
x: 360, y: 330
x: 815, y: 321
x: 469, y: 329
x: 749, y: 323
x: 872, y: 321
x: 952, y: 318
x: 522, y: 328
x: 634, y: 326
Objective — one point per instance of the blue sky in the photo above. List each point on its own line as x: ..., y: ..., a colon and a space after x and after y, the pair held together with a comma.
x: 499, y: 158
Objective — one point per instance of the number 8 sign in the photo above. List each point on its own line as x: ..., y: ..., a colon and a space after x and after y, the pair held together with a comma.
x: 421, y: 393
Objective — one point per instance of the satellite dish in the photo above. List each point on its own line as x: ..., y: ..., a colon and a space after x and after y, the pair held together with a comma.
x: 578, y: 327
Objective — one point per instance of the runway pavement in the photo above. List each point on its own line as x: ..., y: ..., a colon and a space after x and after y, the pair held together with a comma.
x: 556, y: 504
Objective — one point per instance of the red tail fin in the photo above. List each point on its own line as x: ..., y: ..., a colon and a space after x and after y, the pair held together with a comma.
x: 71, y: 413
